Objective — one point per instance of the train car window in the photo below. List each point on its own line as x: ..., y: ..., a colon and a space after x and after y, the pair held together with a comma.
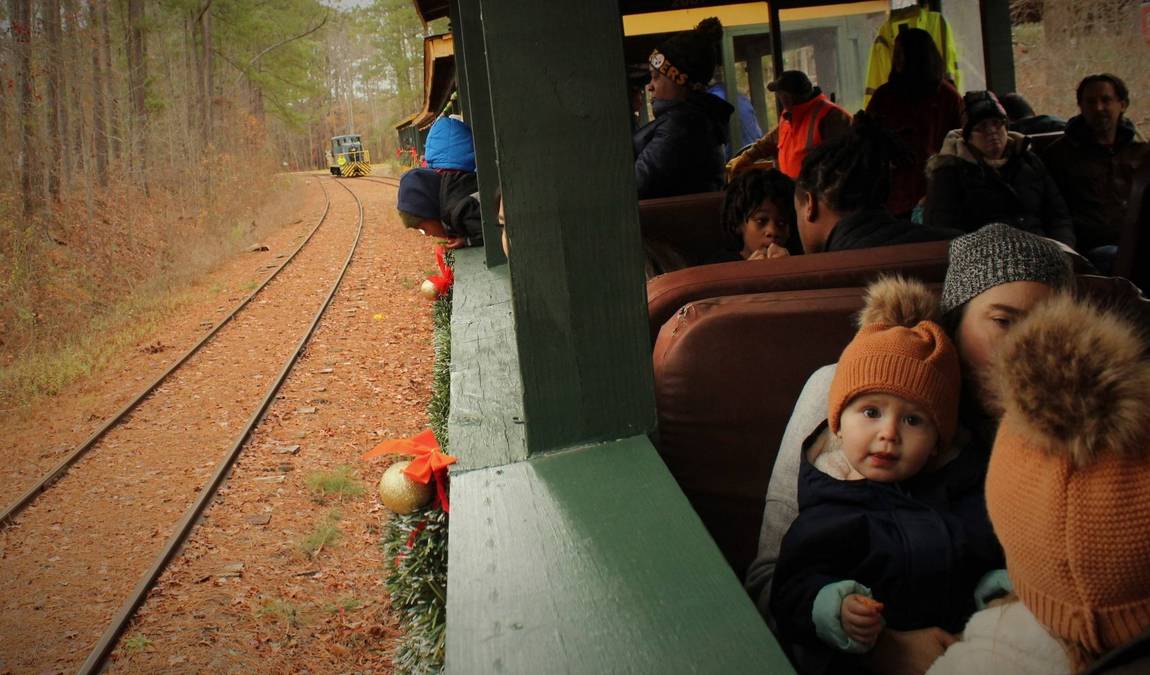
x: 831, y: 44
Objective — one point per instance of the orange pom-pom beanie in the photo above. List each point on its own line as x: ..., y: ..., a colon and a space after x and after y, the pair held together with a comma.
x: 918, y: 364
x: 1068, y: 488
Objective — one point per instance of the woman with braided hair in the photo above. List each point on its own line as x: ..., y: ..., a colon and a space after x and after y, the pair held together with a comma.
x: 842, y: 190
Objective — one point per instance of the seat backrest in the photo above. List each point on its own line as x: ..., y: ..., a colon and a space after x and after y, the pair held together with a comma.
x: 688, y: 223
x: 1041, y: 141
x: 727, y: 374
x: 667, y: 293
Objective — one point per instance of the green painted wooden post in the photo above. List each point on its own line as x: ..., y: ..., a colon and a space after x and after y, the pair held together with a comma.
x: 473, y: 77
x: 776, y: 26
x: 558, y: 90
x: 997, y: 48
x: 461, y: 80
x: 731, y: 86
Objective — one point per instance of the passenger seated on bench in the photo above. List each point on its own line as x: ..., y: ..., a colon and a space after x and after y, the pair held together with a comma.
x: 842, y: 189
x: 995, y: 276
x: 758, y: 216
x: 1093, y: 164
x: 879, y: 541
x: 441, y: 205
x: 681, y: 151
x: 986, y: 174
x: 1068, y: 491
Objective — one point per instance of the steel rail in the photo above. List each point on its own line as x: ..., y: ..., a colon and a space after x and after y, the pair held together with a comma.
x: 60, y: 469
x: 382, y: 179
x: 99, y: 654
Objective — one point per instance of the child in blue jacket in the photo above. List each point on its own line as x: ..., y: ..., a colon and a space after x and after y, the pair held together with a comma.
x: 892, y: 527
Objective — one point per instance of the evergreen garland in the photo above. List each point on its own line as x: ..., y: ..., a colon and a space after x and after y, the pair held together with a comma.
x: 416, y: 544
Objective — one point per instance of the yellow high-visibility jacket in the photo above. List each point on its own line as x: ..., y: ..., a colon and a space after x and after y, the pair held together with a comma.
x: 912, y: 17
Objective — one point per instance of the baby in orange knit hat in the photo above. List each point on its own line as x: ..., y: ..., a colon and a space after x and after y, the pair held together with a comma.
x: 877, y: 541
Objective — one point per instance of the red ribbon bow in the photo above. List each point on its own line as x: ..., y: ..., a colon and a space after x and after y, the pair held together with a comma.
x: 446, y: 276
x: 429, y: 463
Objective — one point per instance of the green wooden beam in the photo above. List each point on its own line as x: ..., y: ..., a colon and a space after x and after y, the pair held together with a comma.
x: 472, y: 74
x: 559, y: 98
x: 731, y: 86
x: 592, y: 561
x: 776, y: 43
x: 460, y: 60
x: 486, y: 420
x: 997, y: 45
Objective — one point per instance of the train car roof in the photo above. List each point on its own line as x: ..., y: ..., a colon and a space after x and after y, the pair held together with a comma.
x: 438, y: 79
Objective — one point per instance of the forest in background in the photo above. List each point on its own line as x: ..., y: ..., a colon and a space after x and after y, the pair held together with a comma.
x: 1058, y: 42
x: 142, y: 138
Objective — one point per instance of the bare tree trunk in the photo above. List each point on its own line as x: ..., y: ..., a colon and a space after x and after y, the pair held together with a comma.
x: 204, y: 84
x: 72, y: 110
x: 137, y: 85
x: 209, y: 75
x: 21, y: 12
x: 99, y: 123
x: 113, y: 123
x: 57, y: 141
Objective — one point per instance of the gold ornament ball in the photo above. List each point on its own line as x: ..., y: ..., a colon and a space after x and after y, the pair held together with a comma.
x: 401, y: 494
x: 428, y: 289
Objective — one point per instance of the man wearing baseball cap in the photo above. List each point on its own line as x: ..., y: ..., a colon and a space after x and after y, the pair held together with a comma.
x: 808, y: 119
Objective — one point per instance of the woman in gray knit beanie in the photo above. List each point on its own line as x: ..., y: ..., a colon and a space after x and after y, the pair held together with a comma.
x: 995, y: 276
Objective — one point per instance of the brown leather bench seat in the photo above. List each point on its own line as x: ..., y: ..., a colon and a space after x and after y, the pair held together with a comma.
x: 686, y: 227
x: 667, y: 293
x: 727, y: 373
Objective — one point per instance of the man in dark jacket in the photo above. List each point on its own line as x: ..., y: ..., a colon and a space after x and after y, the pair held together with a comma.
x: 682, y: 150
x: 1093, y: 164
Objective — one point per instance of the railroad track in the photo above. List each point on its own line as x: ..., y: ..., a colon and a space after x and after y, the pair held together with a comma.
x: 205, y: 490
x: 386, y: 180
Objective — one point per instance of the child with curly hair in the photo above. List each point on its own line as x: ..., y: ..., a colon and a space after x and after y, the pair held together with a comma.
x: 758, y: 215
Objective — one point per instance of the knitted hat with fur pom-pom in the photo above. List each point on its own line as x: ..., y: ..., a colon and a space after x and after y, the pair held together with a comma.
x: 902, y: 351
x: 1068, y: 488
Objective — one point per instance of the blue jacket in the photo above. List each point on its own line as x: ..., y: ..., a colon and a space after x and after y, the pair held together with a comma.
x: 748, y: 122
x: 450, y: 146
x: 921, y: 546
x: 681, y: 152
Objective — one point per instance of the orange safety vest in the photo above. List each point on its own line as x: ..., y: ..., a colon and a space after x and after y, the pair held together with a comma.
x: 799, y: 132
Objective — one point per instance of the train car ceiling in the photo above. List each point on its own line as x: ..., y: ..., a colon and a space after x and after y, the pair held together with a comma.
x: 430, y: 10
x: 743, y: 14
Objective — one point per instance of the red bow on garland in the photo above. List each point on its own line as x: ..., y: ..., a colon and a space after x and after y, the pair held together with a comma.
x: 446, y: 276
x: 429, y: 463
